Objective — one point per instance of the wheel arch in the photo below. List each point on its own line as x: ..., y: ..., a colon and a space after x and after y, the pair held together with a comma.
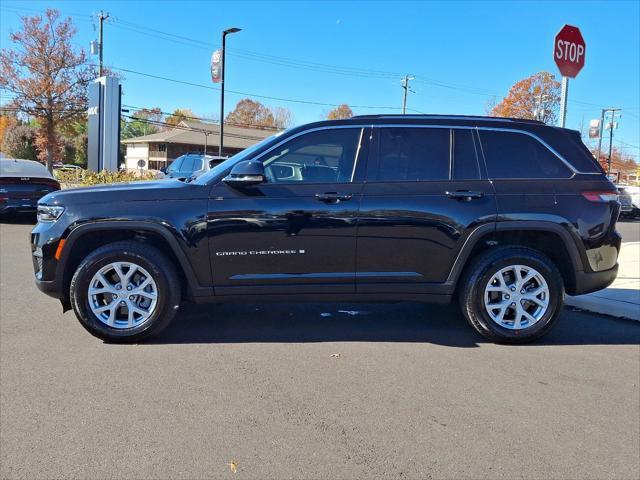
x: 87, y: 237
x: 549, y: 238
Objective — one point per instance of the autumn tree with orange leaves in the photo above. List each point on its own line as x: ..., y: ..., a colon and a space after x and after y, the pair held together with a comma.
x: 340, y: 112
x: 251, y: 113
x: 535, y: 98
x: 47, y: 77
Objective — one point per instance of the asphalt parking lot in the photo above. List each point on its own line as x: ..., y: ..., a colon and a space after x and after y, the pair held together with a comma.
x: 283, y: 391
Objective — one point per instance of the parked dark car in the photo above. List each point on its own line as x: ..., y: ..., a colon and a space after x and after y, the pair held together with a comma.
x: 191, y: 165
x: 22, y: 184
x: 502, y: 215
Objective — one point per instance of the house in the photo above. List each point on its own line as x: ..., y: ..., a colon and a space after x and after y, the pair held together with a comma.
x: 158, y: 150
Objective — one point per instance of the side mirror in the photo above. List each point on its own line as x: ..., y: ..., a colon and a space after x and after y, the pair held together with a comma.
x: 163, y: 170
x: 245, y: 173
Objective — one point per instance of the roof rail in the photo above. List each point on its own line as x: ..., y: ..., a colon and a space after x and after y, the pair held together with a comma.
x: 448, y: 117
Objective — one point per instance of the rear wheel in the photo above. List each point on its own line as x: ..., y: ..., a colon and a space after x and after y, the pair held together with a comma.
x: 512, y: 294
x: 125, y: 292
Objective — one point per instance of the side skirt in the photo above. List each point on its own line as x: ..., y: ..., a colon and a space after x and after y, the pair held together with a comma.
x: 329, y: 298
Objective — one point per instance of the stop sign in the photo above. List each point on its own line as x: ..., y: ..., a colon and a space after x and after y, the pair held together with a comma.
x: 569, y: 51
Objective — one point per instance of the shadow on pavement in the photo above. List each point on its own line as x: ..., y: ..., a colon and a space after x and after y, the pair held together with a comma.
x: 403, y: 322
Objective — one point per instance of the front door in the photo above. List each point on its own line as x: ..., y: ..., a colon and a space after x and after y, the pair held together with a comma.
x: 295, y: 233
x: 425, y: 192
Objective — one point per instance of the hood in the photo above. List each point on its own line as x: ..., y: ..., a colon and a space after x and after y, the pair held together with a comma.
x: 123, y: 192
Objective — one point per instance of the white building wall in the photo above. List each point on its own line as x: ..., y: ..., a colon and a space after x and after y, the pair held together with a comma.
x: 136, y: 152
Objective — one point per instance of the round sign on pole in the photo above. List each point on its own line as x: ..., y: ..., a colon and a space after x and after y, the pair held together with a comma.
x: 569, y: 51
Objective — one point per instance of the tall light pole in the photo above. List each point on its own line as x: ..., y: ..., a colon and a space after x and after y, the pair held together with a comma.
x: 102, y: 17
x: 224, y: 67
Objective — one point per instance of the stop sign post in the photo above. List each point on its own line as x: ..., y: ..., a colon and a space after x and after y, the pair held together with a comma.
x: 569, y: 51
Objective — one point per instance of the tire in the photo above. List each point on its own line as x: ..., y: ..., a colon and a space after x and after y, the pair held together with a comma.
x: 128, y: 324
x: 482, y: 291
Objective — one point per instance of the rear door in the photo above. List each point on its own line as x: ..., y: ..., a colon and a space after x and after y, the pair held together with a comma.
x: 425, y: 192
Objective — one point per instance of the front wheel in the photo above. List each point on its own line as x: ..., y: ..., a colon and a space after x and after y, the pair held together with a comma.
x: 512, y: 294
x: 125, y: 292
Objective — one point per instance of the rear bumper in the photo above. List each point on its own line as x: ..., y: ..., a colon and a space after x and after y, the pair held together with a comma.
x: 19, y: 206
x: 594, y: 281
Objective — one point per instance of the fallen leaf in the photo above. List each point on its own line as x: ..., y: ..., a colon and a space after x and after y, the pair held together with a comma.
x: 233, y: 466
x: 335, y: 355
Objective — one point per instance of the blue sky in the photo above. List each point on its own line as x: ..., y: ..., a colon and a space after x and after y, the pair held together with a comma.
x: 461, y: 53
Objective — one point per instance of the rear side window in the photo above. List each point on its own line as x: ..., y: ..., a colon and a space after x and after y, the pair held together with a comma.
x: 413, y: 154
x: 516, y: 155
x: 465, y: 160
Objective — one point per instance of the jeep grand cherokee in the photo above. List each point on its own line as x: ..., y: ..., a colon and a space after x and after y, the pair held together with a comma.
x: 503, y: 215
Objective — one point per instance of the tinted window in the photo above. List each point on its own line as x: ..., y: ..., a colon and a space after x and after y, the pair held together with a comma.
x: 325, y: 156
x: 413, y: 154
x: 197, y: 163
x: 188, y: 164
x: 175, y: 165
x: 517, y: 155
x: 465, y: 162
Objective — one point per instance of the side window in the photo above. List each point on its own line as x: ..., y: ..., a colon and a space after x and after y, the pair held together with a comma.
x: 324, y: 156
x: 187, y: 164
x: 517, y: 155
x: 413, y: 154
x: 465, y: 160
x: 175, y: 165
x: 197, y: 164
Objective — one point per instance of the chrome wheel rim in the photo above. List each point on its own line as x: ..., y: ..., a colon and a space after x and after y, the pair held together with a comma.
x: 122, y: 295
x: 516, y: 297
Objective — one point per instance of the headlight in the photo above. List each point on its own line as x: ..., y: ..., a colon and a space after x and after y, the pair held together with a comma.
x: 49, y: 213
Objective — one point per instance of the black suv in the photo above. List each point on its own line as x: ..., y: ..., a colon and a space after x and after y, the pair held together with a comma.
x: 504, y: 215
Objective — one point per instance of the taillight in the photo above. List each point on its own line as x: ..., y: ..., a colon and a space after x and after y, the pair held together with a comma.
x: 600, y: 196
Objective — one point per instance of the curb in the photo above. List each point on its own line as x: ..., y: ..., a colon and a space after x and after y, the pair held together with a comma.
x: 605, y: 306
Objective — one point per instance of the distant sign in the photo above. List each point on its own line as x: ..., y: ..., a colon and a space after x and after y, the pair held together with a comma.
x: 216, y: 66
x: 569, y: 51
x: 594, y: 128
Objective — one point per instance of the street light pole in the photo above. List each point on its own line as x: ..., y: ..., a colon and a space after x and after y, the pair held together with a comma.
x: 102, y: 17
x: 224, y: 67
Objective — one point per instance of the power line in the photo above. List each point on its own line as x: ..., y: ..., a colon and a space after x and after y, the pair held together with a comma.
x: 201, y: 119
x: 284, y: 61
x: 190, y: 129
x: 248, y: 94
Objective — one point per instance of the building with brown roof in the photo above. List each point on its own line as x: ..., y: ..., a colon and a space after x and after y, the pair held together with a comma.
x: 158, y: 150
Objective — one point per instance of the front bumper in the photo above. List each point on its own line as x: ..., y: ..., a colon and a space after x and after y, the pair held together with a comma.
x: 50, y: 287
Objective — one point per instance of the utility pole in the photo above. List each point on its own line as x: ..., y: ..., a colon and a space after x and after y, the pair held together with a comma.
x: 611, y: 125
x: 539, y: 113
x: 564, y: 93
x: 102, y: 17
x: 601, y: 133
x: 405, y: 86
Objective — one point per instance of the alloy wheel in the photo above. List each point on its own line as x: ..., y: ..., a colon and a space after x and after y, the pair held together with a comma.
x: 122, y: 295
x: 516, y: 297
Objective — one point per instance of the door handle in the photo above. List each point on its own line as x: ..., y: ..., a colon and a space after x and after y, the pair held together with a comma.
x: 464, y: 195
x: 333, y: 197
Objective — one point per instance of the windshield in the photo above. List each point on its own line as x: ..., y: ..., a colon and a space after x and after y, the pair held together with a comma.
x: 231, y: 161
